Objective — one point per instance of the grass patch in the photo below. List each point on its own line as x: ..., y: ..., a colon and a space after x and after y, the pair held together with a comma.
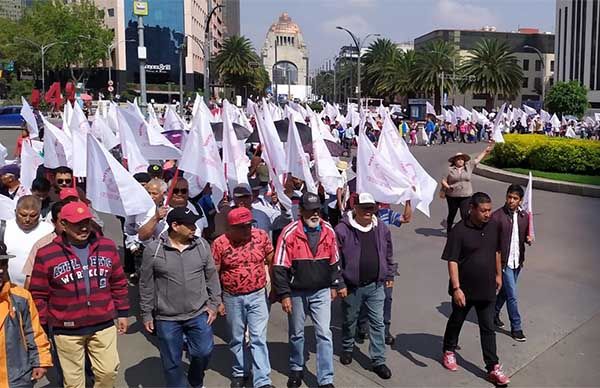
x: 557, y: 176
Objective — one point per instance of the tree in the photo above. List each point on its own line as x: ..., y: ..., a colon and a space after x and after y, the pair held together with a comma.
x: 380, y: 53
x: 395, y: 76
x: 437, y: 57
x: 78, y: 26
x: 493, y: 70
x: 567, y: 98
x: 233, y: 64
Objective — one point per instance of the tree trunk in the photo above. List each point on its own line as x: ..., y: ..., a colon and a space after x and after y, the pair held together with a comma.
x: 489, y: 102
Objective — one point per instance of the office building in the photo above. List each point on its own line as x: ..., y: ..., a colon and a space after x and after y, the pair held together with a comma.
x: 578, y: 46
x: 231, y: 18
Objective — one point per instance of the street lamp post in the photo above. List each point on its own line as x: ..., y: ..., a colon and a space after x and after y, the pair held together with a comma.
x: 358, y: 44
x: 207, y: 47
x: 43, y: 48
x: 539, y: 53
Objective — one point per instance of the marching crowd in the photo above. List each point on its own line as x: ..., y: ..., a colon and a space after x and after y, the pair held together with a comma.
x: 64, y: 285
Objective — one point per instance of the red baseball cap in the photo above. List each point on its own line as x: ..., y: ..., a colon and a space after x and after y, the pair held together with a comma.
x: 240, y: 215
x: 75, y: 212
x: 68, y: 192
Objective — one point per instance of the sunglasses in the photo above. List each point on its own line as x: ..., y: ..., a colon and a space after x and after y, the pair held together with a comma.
x: 64, y: 181
x: 180, y: 191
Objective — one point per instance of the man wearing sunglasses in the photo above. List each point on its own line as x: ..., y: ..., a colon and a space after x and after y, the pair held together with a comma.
x: 366, y: 250
x: 154, y: 223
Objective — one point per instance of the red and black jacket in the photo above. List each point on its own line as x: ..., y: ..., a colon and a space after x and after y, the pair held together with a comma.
x: 58, y: 286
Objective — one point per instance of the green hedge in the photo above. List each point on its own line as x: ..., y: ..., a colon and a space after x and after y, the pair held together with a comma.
x: 540, y: 152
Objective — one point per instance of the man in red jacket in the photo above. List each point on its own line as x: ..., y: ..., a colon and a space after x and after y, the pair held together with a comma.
x: 79, y: 288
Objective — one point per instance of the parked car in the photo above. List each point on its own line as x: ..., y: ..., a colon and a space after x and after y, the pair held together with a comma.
x: 10, y: 116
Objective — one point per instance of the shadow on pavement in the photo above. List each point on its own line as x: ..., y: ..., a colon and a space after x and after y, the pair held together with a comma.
x: 146, y: 373
x: 429, y: 346
x: 445, y: 308
x: 427, y: 232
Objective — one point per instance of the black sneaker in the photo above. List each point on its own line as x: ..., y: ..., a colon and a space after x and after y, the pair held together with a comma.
x: 294, y: 379
x: 327, y: 386
x: 346, y: 358
x: 238, y: 382
x: 518, y: 335
x: 389, y: 339
x: 497, y: 322
x: 361, y: 337
x: 382, y: 371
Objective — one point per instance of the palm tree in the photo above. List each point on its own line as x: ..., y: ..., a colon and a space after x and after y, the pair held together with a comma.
x: 493, y: 70
x: 379, y: 54
x: 395, y: 76
x: 436, y: 58
x: 233, y: 63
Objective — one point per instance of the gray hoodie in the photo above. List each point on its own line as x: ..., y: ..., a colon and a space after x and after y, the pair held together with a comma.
x: 176, y: 286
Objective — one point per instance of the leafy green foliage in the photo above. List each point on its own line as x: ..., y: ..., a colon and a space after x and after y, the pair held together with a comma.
x: 543, y: 153
x: 567, y: 98
x: 437, y: 57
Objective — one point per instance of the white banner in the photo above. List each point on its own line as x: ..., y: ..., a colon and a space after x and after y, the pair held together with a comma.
x: 58, y: 147
x: 29, y: 117
x: 79, y: 130
x: 235, y: 160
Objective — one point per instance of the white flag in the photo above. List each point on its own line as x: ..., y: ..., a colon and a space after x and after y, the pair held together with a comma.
x: 529, y: 110
x: 173, y: 122
x: 375, y: 176
x: 110, y: 187
x: 201, y: 156
x: 131, y: 151
x: 555, y: 121
x: 498, y: 125
x: 101, y: 131
x: 67, y: 115
x: 7, y: 208
x: 545, y: 116
x: 395, y: 152
x: 297, y: 159
x: 272, y: 146
x: 527, y: 204
x: 30, y: 161
x: 326, y: 170
x: 235, y: 160
x: 3, y: 154
x: 152, y: 144
x: 330, y: 111
x: 58, y: 147
x: 29, y: 117
x: 430, y: 108
x: 79, y: 130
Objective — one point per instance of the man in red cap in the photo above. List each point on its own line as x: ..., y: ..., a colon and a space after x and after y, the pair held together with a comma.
x: 79, y: 288
x: 242, y: 257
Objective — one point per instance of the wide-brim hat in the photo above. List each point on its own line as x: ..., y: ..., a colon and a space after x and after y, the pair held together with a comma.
x: 342, y: 165
x: 465, y: 157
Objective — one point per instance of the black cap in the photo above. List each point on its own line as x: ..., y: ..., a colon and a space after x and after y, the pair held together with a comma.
x: 241, y: 191
x: 155, y: 170
x: 142, y: 177
x: 255, y: 184
x: 182, y: 215
x: 310, y: 201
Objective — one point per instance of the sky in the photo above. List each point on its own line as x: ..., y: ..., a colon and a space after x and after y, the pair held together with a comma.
x: 398, y: 20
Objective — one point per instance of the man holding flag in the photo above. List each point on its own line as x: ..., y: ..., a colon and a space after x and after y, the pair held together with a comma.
x: 513, y: 224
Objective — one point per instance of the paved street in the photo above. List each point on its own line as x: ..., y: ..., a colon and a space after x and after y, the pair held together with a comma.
x: 559, y: 301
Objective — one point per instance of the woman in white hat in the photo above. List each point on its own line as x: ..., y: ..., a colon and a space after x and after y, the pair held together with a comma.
x: 456, y: 185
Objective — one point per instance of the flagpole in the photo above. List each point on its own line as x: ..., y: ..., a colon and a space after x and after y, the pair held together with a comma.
x: 172, y: 187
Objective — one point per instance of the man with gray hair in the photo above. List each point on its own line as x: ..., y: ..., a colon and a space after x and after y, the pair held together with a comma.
x: 20, y: 233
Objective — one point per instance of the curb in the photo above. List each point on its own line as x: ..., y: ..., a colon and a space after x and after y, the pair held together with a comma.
x: 538, y: 183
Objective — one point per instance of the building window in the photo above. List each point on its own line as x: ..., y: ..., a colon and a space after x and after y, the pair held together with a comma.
x: 111, y: 12
x: 525, y: 83
x: 537, y: 83
x: 538, y: 65
x: 551, y: 81
x: 552, y: 66
x: 526, y: 64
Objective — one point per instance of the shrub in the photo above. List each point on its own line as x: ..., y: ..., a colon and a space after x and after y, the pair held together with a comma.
x: 539, y: 152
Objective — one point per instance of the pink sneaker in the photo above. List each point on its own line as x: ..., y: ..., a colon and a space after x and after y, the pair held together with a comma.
x: 449, y: 361
x: 497, y: 376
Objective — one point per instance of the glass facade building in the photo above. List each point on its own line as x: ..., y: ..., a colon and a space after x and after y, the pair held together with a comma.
x: 163, y: 35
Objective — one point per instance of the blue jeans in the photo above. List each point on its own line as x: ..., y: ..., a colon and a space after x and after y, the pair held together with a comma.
x: 199, y: 337
x: 318, y: 306
x: 371, y: 297
x: 508, y: 294
x: 363, y: 316
x: 251, y: 311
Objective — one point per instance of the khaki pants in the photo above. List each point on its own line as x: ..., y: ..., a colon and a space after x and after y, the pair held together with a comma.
x: 102, y: 349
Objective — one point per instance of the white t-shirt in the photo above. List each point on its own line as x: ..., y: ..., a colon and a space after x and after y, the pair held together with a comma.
x: 19, y: 243
x: 162, y: 226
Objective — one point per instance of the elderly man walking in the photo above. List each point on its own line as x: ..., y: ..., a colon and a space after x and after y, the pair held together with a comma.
x: 366, y: 252
x: 306, y: 277
x: 243, y: 256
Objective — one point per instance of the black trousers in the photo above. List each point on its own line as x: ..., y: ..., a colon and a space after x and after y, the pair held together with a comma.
x: 455, y: 203
x: 485, y: 316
